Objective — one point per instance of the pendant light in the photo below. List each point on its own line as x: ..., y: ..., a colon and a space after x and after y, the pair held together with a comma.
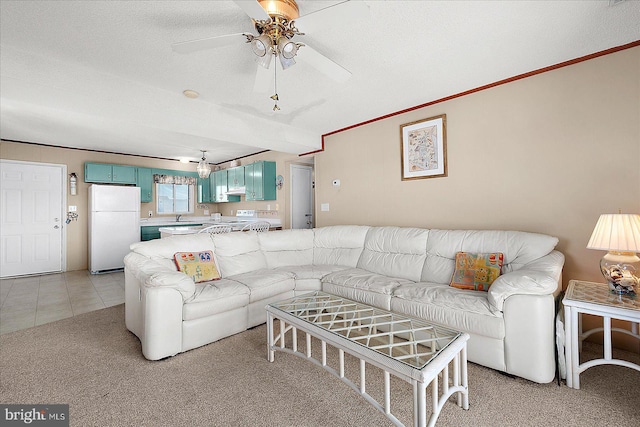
x: 204, y: 169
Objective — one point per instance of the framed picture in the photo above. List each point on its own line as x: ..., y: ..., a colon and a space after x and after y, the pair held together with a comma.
x: 423, y: 146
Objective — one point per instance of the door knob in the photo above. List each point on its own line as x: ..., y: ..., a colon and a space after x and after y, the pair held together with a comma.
x: 55, y: 226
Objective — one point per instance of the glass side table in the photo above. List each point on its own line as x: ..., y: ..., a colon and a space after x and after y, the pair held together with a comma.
x: 595, y: 299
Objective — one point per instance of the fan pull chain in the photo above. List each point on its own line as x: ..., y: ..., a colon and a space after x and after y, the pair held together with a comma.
x: 275, y: 87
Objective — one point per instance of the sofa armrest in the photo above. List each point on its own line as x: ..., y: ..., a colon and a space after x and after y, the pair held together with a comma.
x: 540, y: 277
x: 153, y: 274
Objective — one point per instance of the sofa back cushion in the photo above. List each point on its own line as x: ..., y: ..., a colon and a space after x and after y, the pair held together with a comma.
x: 519, y: 248
x: 287, y: 247
x: 338, y: 244
x: 395, y: 252
x: 238, y: 253
x: 163, y: 250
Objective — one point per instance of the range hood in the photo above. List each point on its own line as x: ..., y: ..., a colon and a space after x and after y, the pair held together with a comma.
x: 236, y: 191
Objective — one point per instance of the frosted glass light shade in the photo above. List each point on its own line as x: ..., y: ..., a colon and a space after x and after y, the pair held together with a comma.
x: 287, y: 48
x: 261, y: 45
x: 203, y: 168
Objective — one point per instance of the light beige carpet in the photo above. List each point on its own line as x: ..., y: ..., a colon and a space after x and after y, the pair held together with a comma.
x: 95, y: 365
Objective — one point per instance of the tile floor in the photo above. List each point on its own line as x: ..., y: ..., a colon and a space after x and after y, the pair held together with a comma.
x: 35, y: 300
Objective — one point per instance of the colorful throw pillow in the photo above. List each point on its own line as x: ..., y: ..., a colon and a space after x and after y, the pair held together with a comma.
x: 476, y: 271
x: 199, y: 265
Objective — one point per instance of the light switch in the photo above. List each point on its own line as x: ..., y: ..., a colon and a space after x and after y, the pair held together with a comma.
x: 324, y: 207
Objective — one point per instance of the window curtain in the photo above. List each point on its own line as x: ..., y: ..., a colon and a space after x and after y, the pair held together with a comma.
x: 171, y: 179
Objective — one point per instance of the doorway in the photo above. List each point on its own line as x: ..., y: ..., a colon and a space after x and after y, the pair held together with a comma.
x: 31, y: 220
x: 301, y: 178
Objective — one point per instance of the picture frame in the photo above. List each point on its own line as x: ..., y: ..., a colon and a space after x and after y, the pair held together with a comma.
x: 423, y: 148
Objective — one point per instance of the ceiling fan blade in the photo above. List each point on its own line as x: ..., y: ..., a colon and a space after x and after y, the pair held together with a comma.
x: 208, y: 43
x: 323, y: 64
x: 340, y: 15
x: 262, y: 83
x: 253, y: 9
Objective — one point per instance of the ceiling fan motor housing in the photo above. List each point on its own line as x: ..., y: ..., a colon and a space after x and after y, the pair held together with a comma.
x: 284, y: 9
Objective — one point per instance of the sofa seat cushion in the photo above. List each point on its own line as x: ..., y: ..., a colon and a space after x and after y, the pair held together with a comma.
x: 301, y: 272
x: 215, y: 297
x: 363, y: 286
x: 458, y: 309
x: 265, y: 283
x: 308, y: 277
x: 358, y: 278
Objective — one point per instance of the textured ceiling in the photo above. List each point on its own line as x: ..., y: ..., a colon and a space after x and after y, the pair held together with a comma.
x: 102, y: 75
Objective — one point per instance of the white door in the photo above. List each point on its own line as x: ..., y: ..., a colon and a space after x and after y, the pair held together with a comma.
x: 31, y: 218
x: 301, y: 196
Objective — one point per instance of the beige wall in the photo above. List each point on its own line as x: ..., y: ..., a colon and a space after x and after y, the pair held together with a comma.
x: 76, y: 231
x: 547, y: 154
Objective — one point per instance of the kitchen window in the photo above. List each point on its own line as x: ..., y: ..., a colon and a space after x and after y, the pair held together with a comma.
x: 175, y: 198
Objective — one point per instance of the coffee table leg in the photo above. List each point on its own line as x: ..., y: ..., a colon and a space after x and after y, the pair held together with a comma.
x: 464, y: 377
x: 270, y: 352
x: 420, y: 404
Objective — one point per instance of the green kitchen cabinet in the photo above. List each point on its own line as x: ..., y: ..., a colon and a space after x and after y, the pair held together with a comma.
x: 145, y: 182
x: 204, y: 190
x: 221, y: 180
x: 109, y: 174
x: 235, y: 177
x: 260, y: 181
x: 152, y: 232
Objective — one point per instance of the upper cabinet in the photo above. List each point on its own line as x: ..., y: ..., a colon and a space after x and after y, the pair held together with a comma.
x: 260, y: 181
x: 220, y: 185
x: 204, y: 190
x: 145, y: 182
x: 235, y: 177
x: 109, y: 174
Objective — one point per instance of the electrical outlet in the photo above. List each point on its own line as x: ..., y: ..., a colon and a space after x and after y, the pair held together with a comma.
x: 206, y: 212
x: 73, y: 208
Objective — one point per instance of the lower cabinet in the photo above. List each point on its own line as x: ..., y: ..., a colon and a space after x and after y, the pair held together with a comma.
x: 152, y: 232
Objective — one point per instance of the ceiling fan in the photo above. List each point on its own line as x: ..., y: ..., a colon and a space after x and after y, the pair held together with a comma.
x: 276, y: 22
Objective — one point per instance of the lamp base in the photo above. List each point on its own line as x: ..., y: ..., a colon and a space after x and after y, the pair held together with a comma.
x: 621, y: 270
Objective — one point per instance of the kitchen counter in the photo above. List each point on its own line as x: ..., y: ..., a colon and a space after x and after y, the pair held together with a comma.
x: 235, y: 224
x: 171, y: 221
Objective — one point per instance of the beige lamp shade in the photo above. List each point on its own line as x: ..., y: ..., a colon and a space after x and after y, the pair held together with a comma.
x: 616, y: 232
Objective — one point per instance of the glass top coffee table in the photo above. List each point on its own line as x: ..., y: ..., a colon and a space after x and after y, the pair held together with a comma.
x: 412, y: 349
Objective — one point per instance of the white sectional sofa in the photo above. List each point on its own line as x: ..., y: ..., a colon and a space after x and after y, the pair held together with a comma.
x: 405, y: 270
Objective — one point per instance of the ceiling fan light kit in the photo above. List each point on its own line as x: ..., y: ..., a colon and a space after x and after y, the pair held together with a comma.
x: 275, y: 36
x: 274, y: 22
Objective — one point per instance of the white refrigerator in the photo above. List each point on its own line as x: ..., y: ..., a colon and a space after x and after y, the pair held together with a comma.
x: 114, y: 224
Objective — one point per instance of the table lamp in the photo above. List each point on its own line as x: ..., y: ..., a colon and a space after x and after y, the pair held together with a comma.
x: 619, y: 234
